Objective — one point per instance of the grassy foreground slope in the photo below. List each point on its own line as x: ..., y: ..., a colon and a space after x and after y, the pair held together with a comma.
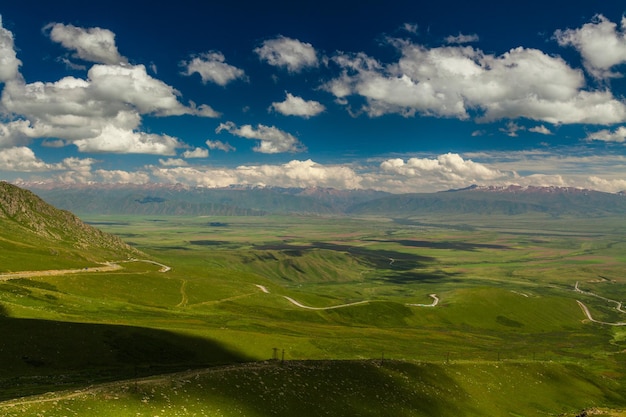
x: 341, y: 388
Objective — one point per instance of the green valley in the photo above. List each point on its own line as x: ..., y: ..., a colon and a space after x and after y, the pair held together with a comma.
x: 423, y: 315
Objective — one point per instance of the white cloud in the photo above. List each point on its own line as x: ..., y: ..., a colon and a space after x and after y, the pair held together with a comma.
x: 272, y: 139
x: 292, y: 174
x: 297, y: 106
x: 446, y: 171
x: 173, y: 162
x: 606, y: 185
x: 117, y: 140
x: 218, y: 144
x: 9, y: 64
x: 463, y: 82
x: 89, y: 44
x: 288, y: 53
x: 196, y: 153
x: 460, y: 38
x: 70, y: 109
x: 131, y: 85
x: 102, y: 113
x: 196, y: 176
x: 120, y: 176
x: 21, y: 158
x: 605, y: 135
x: 511, y: 129
x: 410, y: 27
x: 600, y: 44
x: 211, y: 67
x: 15, y: 133
x: 541, y: 129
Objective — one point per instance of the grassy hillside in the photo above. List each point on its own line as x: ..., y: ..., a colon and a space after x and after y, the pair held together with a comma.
x: 37, y: 236
x: 343, y: 388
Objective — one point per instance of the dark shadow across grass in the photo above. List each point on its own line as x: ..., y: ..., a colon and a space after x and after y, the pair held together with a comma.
x: 42, y: 355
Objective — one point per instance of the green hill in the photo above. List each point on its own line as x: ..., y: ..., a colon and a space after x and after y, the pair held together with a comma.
x: 37, y: 236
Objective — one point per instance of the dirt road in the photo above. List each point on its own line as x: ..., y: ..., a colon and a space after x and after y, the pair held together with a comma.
x: 105, y: 267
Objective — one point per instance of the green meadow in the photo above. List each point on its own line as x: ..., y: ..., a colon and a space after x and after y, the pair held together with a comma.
x: 462, y: 315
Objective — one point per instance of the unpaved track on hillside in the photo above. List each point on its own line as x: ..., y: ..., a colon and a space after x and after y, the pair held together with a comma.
x: 298, y: 304
x: 588, y: 313
x: 106, y: 267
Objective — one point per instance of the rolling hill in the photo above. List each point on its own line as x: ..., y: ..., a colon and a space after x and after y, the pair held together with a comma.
x: 35, y: 235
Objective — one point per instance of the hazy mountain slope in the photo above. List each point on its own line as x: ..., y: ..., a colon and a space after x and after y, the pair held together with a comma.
x: 35, y: 235
x: 178, y: 200
x: 501, y: 201
x: 158, y: 199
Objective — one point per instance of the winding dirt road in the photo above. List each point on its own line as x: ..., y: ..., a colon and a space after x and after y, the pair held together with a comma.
x: 588, y: 313
x: 106, y: 267
x: 299, y: 304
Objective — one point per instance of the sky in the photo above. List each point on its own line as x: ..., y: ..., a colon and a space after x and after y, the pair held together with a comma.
x: 399, y: 96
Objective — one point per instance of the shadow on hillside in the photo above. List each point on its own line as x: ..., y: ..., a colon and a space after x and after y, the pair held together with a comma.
x: 411, y: 277
x: 462, y: 246
x: 41, y: 355
x: 376, y: 258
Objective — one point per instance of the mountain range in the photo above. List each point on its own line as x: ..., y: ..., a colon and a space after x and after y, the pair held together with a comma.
x: 155, y: 199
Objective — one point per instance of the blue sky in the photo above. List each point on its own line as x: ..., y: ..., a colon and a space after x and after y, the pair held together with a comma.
x: 396, y: 95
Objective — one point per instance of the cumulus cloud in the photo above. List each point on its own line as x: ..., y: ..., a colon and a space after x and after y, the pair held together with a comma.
x: 125, y: 177
x: 111, y: 101
x: 541, y: 129
x: 15, y: 133
x: 196, y: 153
x: 601, y: 45
x: 131, y: 85
x: 173, y: 162
x: 218, y: 144
x: 445, y: 171
x: 463, y: 82
x: 460, y: 38
x: 101, y: 113
x: 271, y: 139
x: 211, y: 67
x: 116, y: 140
x: 21, y: 158
x: 9, y: 64
x: 292, y: 174
x: 297, y: 106
x: 606, y: 135
x: 288, y: 53
x: 89, y: 44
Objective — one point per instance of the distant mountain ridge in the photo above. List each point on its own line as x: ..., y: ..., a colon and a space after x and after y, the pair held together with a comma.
x: 507, y: 200
x: 181, y: 200
x: 158, y: 199
x: 529, y: 189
